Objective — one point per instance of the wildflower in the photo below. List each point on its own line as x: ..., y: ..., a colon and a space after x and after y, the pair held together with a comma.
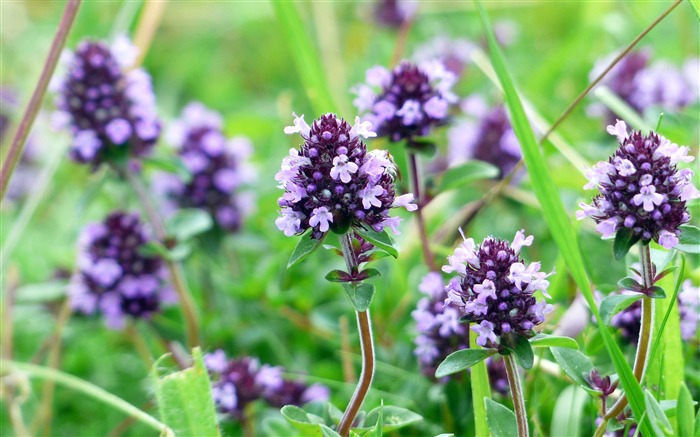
x: 113, y: 277
x: 408, y: 101
x: 110, y: 110
x: 219, y: 168
x: 455, y: 54
x: 641, y: 189
x: 238, y: 382
x: 494, y: 288
x: 486, y: 135
x: 689, y: 308
x: 394, y: 13
x: 332, y: 182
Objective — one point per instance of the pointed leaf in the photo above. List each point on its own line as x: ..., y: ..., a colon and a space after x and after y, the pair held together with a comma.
x: 327, y: 432
x: 304, y: 248
x: 186, y: 223
x: 615, y: 303
x: 624, y: 240
x: 381, y: 240
x: 169, y: 164
x: 392, y: 417
x: 462, y: 359
x: 567, y: 419
x: 377, y: 431
x: 360, y: 295
x: 369, y: 273
x: 689, y: 235
x: 575, y: 364
x: 501, y: 420
x: 338, y: 276
x: 629, y: 284
x: 657, y: 292
x: 154, y: 248
x: 301, y: 420
x: 521, y: 348
x: 461, y: 175
x: 659, y: 421
x: 544, y: 340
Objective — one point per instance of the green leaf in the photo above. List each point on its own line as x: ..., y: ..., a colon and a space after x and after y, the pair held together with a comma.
x: 659, y: 421
x: 557, y: 218
x: 381, y: 240
x: 629, y: 284
x: 684, y: 412
x: 186, y: 223
x: 567, y: 419
x: 615, y: 303
x: 337, y: 276
x: 624, y: 240
x: 327, y: 432
x: 657, y: 292
x: 304, y: 248
x: 41, y: 293
x: 180, y: 251
x: 462, y: 175
x: 462, y: 359
x: 422, y: 146
x: 689, y: 235
x: 306, y: 56
x: 575, y: 364
x: 301, y: 420
x: 544, y: 340
x: 360, y: 295
x: 481, y: 389
x: 520, y: 347
x: 369, y: 273
x: 154, y: 248
x: 501, y: 420
x: 377, y: 431
x: 184, y: 398
x: 392, y: 417
x: 169, y: 164
x: 695, y: 6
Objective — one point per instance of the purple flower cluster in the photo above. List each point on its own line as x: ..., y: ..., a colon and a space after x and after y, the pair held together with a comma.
x: 106, y: 107
x: 494, y: 288
x: 642, y: 85
x: 640, y: 188
x: 454, y: 53
x: 332, y: 182
x: 219, y: 167
x: 408, y: 101
x: 394, y: 13
x: 113, y: 277
x: 238, y: 382
x: 486, y: 135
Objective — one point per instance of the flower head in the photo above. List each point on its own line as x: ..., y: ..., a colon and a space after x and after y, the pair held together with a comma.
x: 689, y: 308
x: 332, y: 182
x: 218, y: 166
x: 394, y: 13
x: 113, y: 277
x: 408, y: 101
x: 110, y: 111
x: 494, y: 288
x: 641, y: 188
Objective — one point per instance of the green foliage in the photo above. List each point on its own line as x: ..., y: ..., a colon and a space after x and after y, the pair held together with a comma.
x: 360, y: 295
x: 501, y: 420
x: 382, y: 240
x: 657, y: 417
x: 462, y: 359
x: 569, y: 412
x: 464, y: 174
x: 544, y: 340
x: 685, y: 420
x: 184, y: 398
x: 188, y: 223
x: 615, y: 303
x: 305, y: 247
x: 625, y: 239
x: 521, y: 348
x: 575, y: 364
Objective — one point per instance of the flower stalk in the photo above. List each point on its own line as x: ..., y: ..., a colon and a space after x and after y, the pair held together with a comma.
x: 516, y: 391
x: 366, y: 345
x: 425, y: 245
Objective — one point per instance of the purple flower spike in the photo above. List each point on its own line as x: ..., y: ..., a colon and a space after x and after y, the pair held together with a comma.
x: 408, y: 101
x: 332, y: 182
x: 641, y: 188
x: 106, y: 106
x: 113, y: 277
x: 219, y: 168
x: 689, y: 306
x: 494, y: 288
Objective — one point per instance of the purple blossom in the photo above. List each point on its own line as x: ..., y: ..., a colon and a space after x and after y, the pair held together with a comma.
x: 494, y: 288
x: 113, y: 277
x: 238, y: 382
x: 109, y: 109
x: 219, y: 168
x: 332, y: 182
x: 394, y: 13
x: 454, y: 53
x: 689, y: 308
x: 641, y: 188
x: 407, y: 102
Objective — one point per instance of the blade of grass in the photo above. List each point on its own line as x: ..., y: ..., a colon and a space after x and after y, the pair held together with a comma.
x: 621, y: 108
x: 557, y: 218
x: 695, y: 6
x: 305, y: 56
x: 480, y: 390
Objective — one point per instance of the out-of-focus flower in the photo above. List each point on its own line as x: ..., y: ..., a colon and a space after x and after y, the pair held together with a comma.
x: 394, y: 13
x: 494, y: 288
x: 109, y: 109
x: 689, y: 308
x: 113, y: 277
x: 454, y: 53
x: 332, y: 182
x: 408, y: 101
x: 218, y: 166
x: 641, y: 188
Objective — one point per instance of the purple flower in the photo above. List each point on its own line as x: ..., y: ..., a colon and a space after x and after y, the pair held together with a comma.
x: 394, y: 13
x: 332, y: 182
x: 455, y: 54
x: 238, y: 382
x: 408, y: 101
x: 486, y: 135
x: 109, y: 109
x: 219, y: 167
x: 689, y: 308
x: 494, y: 288
x: 113, y: 277
x: 641, y: 188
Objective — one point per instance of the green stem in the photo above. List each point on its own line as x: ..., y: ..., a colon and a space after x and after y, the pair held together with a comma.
x: 88, y: 389
x: 516, y: 392
x: 480, y: 390
x: 25, y: 125
x: 366, y: 345
x: 415, y: 180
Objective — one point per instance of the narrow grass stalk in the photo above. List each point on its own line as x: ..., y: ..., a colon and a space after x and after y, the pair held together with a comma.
x: 516, y: 391
x: 25, y: 125
x: 416, y: 187
x: 87, y: 389
x: 481, y: 389
x: 148, y: 24
x: 645, y: 336
x: 179, y: 283
x: 367, y: 348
